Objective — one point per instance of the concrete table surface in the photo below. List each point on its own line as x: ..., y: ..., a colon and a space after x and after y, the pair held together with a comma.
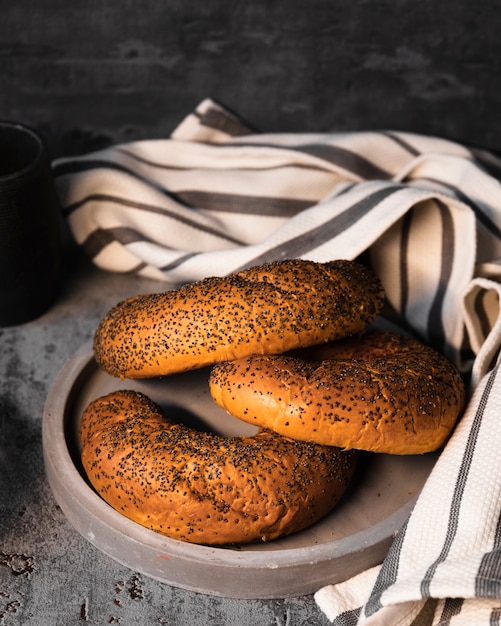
x: 49, y: 574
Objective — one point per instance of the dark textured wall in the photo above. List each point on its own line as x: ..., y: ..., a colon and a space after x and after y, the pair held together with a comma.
x: 91, y: 72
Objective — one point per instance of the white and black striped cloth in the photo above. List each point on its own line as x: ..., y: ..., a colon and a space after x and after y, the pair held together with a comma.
x: 424, y: 212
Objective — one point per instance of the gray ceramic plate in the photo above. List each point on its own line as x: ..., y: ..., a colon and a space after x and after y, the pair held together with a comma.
x: 355, y: 536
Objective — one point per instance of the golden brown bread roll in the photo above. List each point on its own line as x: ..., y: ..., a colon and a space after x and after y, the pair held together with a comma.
x: 263, y: 310
x: 381, y: 392
x: 206, y: 488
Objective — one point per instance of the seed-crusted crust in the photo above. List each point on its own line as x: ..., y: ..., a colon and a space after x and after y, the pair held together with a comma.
x: 267, y: 309
x: 205, y: 488
x: 381, y: 392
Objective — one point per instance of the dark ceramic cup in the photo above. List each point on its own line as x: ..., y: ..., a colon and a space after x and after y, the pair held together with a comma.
x: 30, y: 245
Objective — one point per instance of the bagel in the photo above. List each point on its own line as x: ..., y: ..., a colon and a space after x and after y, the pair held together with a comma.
x: 267, y: 309
x: 205, y: 488
x: 381, y: 392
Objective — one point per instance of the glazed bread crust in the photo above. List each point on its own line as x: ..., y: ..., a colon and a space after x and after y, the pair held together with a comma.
x: 205, y: 488
x: 380, y: 392
x: 263, y: 310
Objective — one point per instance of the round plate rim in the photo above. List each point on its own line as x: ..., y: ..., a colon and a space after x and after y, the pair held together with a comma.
x: 61, y: 470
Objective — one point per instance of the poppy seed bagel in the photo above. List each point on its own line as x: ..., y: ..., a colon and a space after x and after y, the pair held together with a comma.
x: 205, y: 488
x: 381, y: 392
x: 267, y: 309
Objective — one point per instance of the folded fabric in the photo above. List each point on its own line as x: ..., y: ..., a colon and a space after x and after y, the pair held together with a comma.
x: 450, y: 547
x: 424, y: 212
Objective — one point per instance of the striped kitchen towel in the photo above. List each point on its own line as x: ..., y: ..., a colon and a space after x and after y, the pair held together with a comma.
x: 424, y: 212
x: 445, y: 562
